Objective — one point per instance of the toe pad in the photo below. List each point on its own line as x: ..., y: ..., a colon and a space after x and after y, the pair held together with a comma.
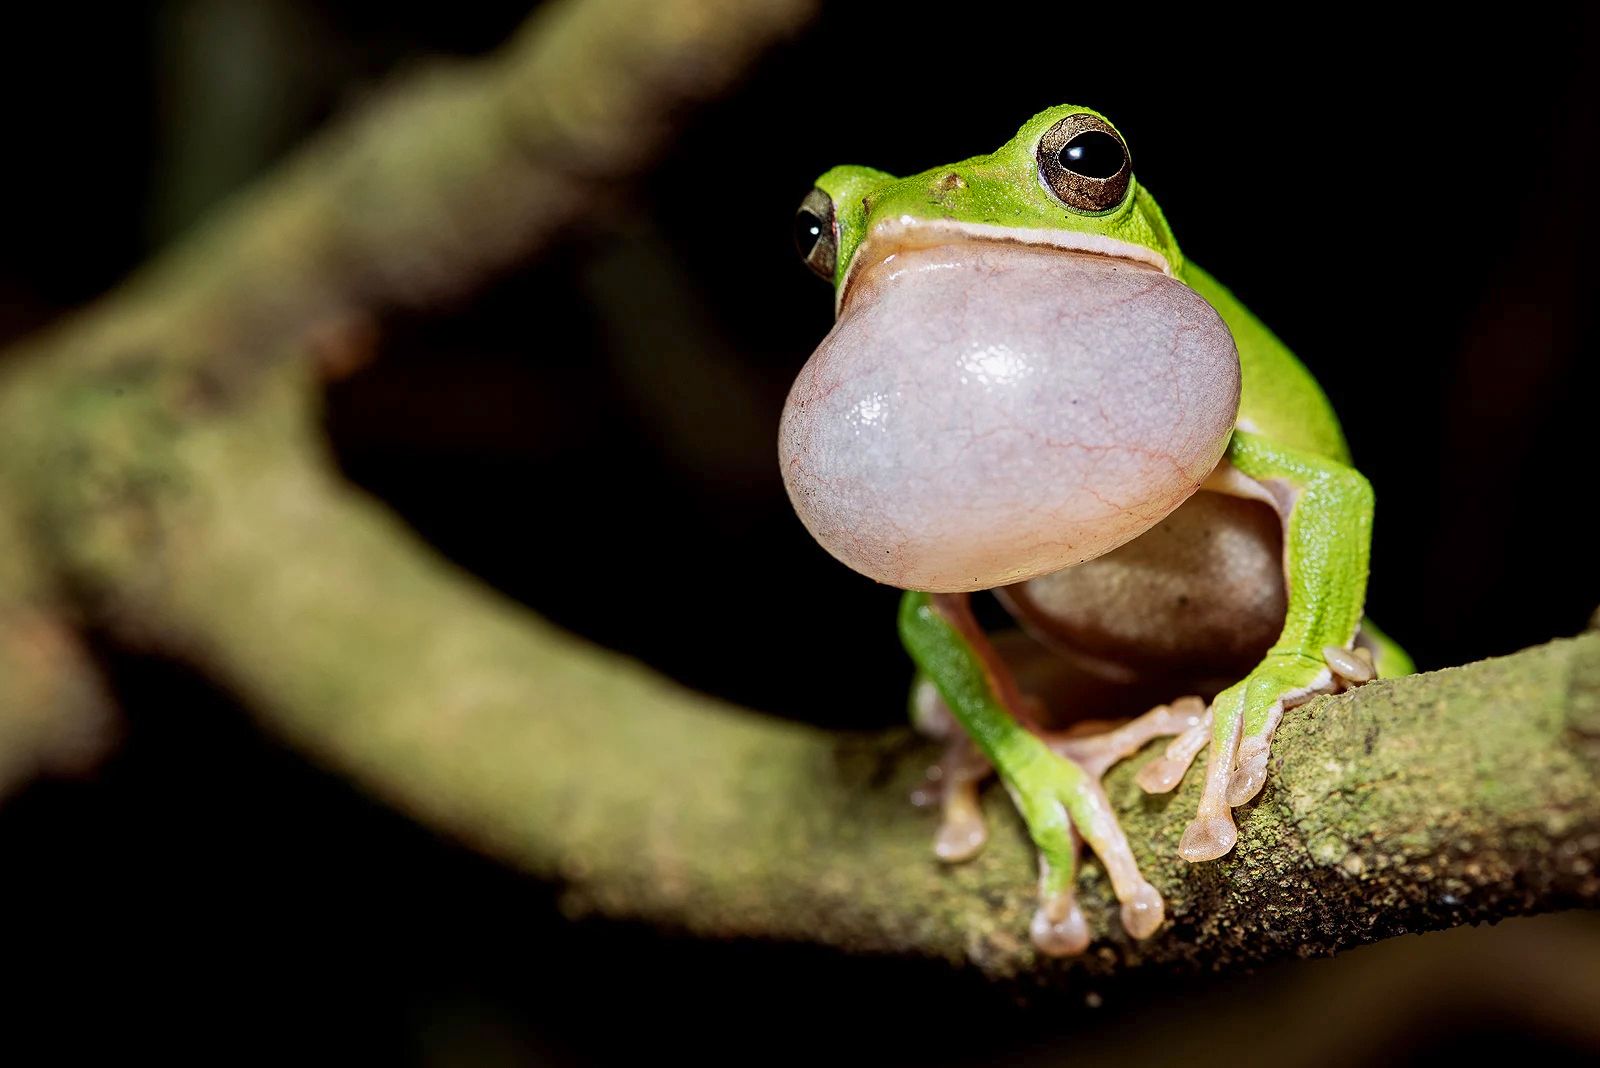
x: 1248, y: 778
x: 1143, y: 912
x: 1208, y: 838
x: 1064, y: 938
x: 1160, y: 775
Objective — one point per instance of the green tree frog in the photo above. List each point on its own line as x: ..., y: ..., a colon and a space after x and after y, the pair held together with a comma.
x: 1029, y: 390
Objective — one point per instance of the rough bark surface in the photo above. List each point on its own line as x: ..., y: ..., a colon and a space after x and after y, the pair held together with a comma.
x: 163, y: 477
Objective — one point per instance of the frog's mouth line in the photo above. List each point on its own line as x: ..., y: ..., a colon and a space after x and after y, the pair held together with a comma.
x: 892, y: 236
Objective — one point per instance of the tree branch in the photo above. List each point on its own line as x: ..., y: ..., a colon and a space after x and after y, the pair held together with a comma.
x: 55, y: 714
x: 1462, y: 795
x: 162, y: 460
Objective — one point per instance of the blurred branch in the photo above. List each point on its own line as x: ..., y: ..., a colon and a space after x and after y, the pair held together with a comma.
x: 55, y: 714
x: 164, y: 473
x: 454, y: 173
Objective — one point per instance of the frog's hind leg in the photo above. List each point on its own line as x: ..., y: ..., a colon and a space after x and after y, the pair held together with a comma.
x: 1045, y: 681
x: 1059, y: 800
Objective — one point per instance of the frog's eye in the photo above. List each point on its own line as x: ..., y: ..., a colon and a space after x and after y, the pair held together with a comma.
x: 1084, y: 162
x: 813, y: 234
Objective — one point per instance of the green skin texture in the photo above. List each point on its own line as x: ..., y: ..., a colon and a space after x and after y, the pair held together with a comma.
x: 1293, y: 440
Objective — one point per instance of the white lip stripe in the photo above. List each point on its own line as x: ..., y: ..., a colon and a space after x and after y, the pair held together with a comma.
x: 908, y: 231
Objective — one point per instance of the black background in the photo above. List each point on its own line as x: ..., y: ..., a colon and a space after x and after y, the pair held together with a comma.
x: 1408, y: 202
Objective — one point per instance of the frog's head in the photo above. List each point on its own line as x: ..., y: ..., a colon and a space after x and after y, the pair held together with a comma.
x: 1018, y: 379
x: 1065, y: 181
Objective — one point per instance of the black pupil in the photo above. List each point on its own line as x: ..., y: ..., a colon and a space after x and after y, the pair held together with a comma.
x: 807, y: 231
x: 1093, y: 154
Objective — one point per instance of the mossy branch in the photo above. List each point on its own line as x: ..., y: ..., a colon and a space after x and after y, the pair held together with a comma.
x: 163, y: 475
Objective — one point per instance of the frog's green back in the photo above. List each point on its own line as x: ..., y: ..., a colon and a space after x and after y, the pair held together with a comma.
x: 1278, y: 397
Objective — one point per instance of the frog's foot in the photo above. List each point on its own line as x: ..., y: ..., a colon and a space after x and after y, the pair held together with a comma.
x: 1058, y: 928
x: 1245, y: 717
x: 1056, y: 787
x: 1188, y: 718
x: 952, y: 783
x: 1166, y: 771
x: 1096, y: 753
x: 1063, y: 803
x: 1347, y: 668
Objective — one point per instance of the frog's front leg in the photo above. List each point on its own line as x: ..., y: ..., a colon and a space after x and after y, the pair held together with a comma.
x: 1326, y: 508
x: 1059, y: 799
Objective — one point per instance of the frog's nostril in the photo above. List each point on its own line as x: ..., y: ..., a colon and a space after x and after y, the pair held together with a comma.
x: 952, y: 180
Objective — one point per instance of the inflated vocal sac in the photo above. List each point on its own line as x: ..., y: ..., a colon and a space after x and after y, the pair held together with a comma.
x: 982, y: 414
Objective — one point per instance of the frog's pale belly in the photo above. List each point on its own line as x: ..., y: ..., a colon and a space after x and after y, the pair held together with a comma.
x: 983, y: 414
x: 1201, y: 593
